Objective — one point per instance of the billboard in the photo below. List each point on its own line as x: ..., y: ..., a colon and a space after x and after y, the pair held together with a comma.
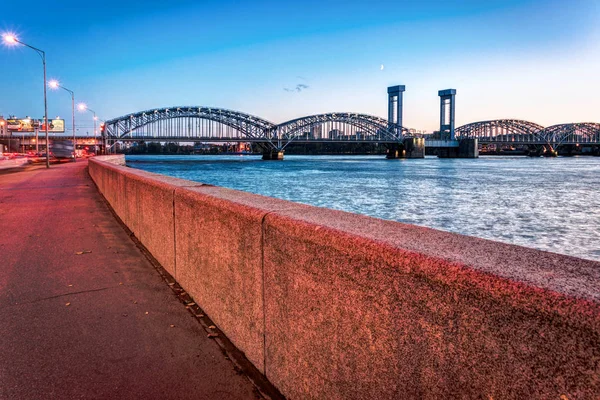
x: 19, y: 125
x: 56, y: 126
x: 29, y: 125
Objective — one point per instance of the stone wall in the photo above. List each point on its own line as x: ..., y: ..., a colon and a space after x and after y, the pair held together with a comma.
x: 334, y: 305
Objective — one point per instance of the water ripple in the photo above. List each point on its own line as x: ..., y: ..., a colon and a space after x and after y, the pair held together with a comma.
x: 549, y: 204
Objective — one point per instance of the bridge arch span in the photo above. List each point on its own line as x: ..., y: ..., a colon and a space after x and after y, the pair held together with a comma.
x: 340, y: 126
x: 188, y: 123
x: 575, y: 133
x: 501, y: 130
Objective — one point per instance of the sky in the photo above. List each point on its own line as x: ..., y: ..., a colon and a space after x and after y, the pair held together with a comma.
x: 537, y: 60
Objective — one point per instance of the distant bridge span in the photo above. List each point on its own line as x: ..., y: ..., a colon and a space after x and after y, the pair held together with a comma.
x: 525, y: 132
x: 578, y: 133
x: 211, y: 124
x: 341, y: 126
x: 502, y: 130
x: 176, y: 122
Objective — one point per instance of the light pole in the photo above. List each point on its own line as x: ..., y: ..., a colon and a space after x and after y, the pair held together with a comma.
x: 27, y: 120
x: 54, y: 84
x: 11, y: 39
x: 84, y: 107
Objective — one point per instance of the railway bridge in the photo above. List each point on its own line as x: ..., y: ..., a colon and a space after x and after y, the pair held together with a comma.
x: 211, y: 124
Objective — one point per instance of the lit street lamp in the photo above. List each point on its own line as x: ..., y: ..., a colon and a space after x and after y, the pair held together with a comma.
x: 11, y: 40
x: 54, y: 84
x: 84, y: 107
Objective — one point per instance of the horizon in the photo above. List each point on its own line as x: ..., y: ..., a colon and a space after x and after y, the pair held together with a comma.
x: 522, y: 59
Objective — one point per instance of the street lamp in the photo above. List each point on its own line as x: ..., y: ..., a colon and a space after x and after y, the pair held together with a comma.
x: 11, y: 40
x: 84, y: 107
x: 54, y: 84
x: 27, y: 121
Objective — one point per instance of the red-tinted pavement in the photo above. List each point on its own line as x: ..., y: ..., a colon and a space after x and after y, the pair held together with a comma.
x: 102, y: 324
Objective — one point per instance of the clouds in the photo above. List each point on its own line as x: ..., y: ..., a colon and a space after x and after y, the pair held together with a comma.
x: 299, y: 87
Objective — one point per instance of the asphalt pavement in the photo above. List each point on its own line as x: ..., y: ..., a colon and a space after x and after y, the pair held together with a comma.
x: 83, y: 313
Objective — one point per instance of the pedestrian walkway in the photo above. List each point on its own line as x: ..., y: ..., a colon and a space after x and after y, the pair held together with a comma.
x: 83, y: 314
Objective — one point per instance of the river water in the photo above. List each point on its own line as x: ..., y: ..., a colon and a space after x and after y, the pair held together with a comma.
x: 546, y: 203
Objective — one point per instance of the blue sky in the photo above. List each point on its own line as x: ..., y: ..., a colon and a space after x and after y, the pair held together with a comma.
x: 528, y: 59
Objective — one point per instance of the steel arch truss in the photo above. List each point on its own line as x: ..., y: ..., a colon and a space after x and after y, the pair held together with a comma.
x: 182, y: 123
x: 210, y: 124
x: 340, y: 127
x: 161, y: 124
x: 501, y: 131
x: 584, y: 132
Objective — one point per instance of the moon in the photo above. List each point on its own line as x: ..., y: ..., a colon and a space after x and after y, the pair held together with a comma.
x: 382, y: 67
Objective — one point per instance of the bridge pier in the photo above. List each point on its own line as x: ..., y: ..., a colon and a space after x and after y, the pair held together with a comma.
x: 542, y: 151
x: 549, y: 151
x: 409, y: 148
x: 534, y: 151
x: 414, y: 147
x: 395, y: 151
x: 467, y: 148
x: 272, y: 155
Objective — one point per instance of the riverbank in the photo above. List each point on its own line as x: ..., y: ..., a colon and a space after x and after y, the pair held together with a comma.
x: 334, y: 305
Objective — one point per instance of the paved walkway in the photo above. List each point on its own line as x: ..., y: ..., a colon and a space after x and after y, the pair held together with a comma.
x: 83, y: 314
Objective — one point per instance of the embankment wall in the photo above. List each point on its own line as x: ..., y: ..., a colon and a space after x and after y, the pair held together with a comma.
x: 334, y: 305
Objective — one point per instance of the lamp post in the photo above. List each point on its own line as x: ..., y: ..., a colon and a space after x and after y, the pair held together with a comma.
x: 11, y: 39
x: 27, y: 120
x: 54, y: 84
x: 84, y: 107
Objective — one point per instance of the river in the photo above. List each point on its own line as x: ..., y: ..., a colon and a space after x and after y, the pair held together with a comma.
x: 546, y: 203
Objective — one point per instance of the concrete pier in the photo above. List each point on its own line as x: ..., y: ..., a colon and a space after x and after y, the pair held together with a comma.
x: 414, y: 147
x: 467, y: 148
x: 272, y: 155
x: 410, y: 148
x: 395, y: 151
